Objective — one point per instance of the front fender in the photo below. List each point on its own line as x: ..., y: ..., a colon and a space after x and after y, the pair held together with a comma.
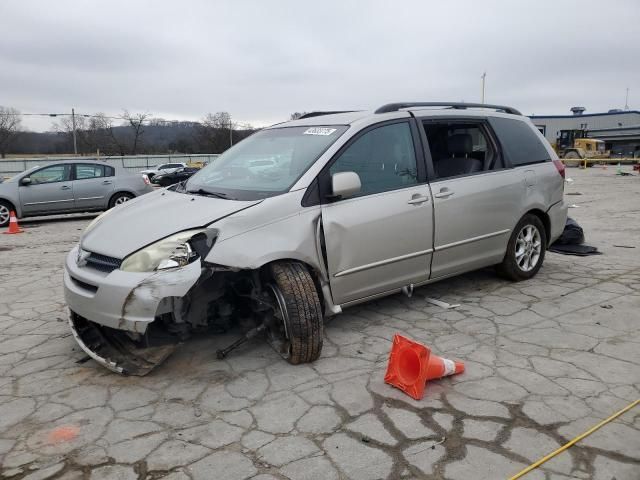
x: 293, y: 237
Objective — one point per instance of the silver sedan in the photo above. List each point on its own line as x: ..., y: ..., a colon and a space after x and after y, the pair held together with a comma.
x: 68, y: 187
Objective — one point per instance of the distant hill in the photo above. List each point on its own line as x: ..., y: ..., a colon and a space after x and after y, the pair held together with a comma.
x: 156, y: 138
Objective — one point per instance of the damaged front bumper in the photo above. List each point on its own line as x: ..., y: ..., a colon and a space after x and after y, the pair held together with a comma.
x: 116, y: 351
x: 111, y: 312
x: 124, y: 300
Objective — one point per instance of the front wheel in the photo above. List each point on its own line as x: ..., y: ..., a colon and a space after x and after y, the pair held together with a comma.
x: 5, y: 213
x: 525, y: 250
x: 295, y: 330
x: 119, y: 198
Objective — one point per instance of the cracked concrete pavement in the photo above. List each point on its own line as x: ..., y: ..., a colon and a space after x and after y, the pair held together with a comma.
x: 545, y: 360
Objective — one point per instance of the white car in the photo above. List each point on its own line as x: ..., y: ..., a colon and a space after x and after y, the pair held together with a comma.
x: 162, y: 169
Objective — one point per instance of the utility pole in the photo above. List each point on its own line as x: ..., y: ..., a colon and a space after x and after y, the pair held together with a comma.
x: 230, y: 132
x: 73, y: 123
x: 484, y: 75
x: 626, y: 100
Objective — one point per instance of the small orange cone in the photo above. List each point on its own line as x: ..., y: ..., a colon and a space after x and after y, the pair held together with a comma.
x: 13, y: 224
x: 412, y: 365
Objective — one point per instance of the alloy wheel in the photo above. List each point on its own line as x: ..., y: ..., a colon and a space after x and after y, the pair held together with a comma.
x: 4, y: 214
x: 528, y: 248
x: 277, y: 327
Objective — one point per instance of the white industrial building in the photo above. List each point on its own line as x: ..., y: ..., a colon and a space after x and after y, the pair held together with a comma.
x: 620, y: 129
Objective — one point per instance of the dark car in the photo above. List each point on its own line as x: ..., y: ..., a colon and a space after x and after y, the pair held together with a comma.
x: 179, y: 175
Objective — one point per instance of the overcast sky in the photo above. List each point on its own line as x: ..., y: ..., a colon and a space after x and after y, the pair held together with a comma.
x: 262, y: 60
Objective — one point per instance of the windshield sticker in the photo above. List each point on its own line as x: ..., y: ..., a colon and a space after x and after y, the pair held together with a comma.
x: 319, y: 131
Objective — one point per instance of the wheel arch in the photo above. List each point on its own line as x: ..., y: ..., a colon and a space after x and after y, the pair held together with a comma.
x: 14, y: 206
x: 316, y: 275
x: 544, y: 218
x: 118, y: 192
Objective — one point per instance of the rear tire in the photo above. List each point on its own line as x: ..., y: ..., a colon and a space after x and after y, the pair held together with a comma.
x: 5, y: 210
x: 119, y: 198
x: 525, y: 250
x: 300, y: 312
x: 572, y: 155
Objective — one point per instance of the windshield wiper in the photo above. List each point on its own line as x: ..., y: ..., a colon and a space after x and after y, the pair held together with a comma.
x: 202, y: 191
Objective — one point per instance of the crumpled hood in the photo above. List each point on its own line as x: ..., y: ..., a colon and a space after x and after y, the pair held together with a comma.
x: 151, y: 217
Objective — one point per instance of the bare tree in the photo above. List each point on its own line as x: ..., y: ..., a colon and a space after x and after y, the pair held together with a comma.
x: 212, y: 135
x: 93, y: 133
x: 136, y: 122
x: 9, y: 128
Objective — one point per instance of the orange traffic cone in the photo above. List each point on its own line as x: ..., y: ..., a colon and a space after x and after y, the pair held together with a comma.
x: 13, y: 224
x: 412, y: 365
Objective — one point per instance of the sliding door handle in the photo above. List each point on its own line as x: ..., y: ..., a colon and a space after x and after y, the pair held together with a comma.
x: 444, y: 193
x: 418, y: 199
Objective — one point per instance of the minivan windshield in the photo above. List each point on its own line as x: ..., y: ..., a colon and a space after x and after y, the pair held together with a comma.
x: 265, y: 164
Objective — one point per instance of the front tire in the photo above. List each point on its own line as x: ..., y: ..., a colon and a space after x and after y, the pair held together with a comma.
x: 5, y: 210
x: 119, y: 198
x: 296, y: 330
x: 525, y: 250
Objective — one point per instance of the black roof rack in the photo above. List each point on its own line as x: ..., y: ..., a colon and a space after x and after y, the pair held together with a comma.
x: 394, y: 107
x: 318, y: 114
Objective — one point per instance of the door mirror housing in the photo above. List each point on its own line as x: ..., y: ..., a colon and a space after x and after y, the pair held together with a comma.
x: 345, y: 184
x: 26, y: 181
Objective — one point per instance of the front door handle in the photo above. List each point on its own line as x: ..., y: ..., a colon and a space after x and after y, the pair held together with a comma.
x: 418, y: 199
x: 65, y: 187
x: 444, y: 193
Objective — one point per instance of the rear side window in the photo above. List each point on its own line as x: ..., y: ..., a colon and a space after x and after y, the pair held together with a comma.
x: 89, y: 170
x: 109, y: 171
x: 520, y: 142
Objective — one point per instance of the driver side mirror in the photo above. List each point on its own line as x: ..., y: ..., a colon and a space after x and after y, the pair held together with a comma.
x: 345, y: 184
x: 26, y: 181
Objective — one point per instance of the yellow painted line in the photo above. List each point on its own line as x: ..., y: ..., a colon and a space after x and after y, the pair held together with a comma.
x: 574, y: 441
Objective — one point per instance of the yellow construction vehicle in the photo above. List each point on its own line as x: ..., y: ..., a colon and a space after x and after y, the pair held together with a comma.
x: 574, y: 145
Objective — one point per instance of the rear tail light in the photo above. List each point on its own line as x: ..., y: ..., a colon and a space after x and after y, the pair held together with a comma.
x: 560, y: 166
x: 146, y: 179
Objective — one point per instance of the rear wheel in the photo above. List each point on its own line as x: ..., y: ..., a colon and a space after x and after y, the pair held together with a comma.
x: 5, y: 210
x: 119, y: 198
x: 572, y: 155
x: 296, y: 327
x: 525, y: 251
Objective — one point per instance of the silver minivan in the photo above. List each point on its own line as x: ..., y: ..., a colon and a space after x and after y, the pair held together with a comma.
x: 358, y: 205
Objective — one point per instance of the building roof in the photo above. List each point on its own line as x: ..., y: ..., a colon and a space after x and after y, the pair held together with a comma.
x: 535, y: 117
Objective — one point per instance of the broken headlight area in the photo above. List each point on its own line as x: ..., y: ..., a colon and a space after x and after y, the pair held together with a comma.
x: 174, y: 251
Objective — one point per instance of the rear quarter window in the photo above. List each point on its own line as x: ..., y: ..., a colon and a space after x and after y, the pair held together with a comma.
x: 519, y: 141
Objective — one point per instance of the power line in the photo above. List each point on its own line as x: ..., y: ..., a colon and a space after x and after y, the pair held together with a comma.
x: 69, y: 115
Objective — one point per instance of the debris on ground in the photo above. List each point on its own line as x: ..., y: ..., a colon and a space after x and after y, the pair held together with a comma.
x: 440, y: 303
x: 571, y: 241
x: 573, y: 234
